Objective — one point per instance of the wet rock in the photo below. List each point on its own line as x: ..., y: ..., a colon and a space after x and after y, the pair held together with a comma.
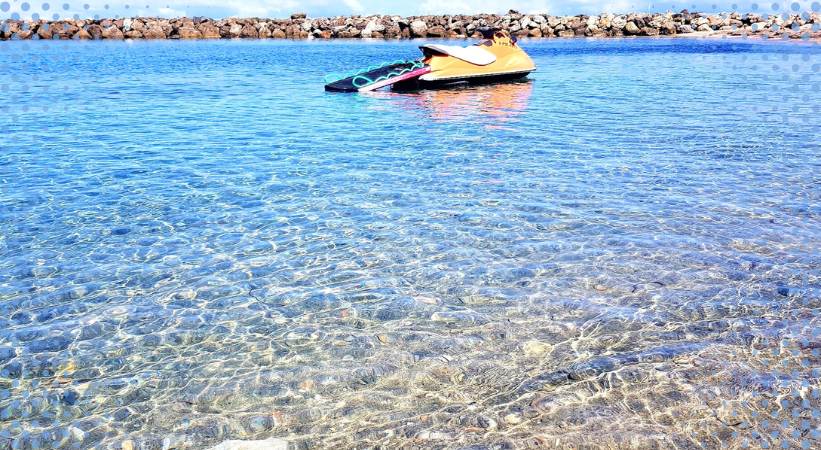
x: 12, y: 370
x: 268, y: 444
x: 7, y: 354
x: 464, y: 317
x: 513, y: 419
x: 69, y: 397
x: 91, y: 331
x: 786, y: 291
x: 51, y: 344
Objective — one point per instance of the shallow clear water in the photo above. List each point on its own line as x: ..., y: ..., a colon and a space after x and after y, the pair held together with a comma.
x: 198, y: 244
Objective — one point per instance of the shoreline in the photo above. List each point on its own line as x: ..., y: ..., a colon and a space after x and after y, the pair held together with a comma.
x: 803, y: 26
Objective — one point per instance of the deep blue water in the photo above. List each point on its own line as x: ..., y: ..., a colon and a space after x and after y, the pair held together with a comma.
x: 197, y: 244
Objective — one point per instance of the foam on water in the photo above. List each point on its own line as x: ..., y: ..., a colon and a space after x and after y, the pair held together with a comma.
x: 198, y: 245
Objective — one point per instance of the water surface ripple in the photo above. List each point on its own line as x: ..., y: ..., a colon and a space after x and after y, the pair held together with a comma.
x: 198, y: 244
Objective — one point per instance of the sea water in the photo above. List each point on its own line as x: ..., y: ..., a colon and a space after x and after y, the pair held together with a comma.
x: 198, y: 244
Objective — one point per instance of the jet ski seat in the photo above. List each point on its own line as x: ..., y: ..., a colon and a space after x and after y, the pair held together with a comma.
x: 473, y: 54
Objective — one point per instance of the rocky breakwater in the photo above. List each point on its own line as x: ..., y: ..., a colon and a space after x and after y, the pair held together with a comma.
x: 801, y: 25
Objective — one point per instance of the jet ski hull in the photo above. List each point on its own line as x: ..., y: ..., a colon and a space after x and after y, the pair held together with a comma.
x: 418, y: 83
x: 378, y: 77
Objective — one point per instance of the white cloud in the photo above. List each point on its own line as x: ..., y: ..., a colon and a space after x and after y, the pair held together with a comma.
x: 354, y: 5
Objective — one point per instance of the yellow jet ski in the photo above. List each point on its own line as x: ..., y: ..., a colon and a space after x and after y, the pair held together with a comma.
x: 496, y: 58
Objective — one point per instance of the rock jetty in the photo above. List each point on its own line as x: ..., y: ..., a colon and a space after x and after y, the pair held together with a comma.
x: 795, y: 26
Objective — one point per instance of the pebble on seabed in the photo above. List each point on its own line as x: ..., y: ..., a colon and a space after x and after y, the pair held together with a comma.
x: 536, y: 348
x: 268, y: 444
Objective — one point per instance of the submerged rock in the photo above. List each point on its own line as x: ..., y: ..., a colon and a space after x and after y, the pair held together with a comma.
x: 267, y: 444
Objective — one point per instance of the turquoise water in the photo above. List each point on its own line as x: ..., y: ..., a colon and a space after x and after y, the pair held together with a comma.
x: 198, y: 244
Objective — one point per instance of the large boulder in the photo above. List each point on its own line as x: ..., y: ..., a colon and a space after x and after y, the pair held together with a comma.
x: 24, y: 34
x: 618, y: 23
x: 46, y: 30
x: 437, y: 31
x: 631, y: 28
x: 684, y: 29
x: 208, y: 30
x: 113, y: 32
x: 299, y: 15
x: 668, y: 27
x: 81, y: 34
x: 372, y: 27
x: 419, y: 28
x: 95, y: 31
x: 9, y: 28
x: 189, y: 32
x: 393, y: 32
x: 759, y: 26
x: 64, y: 30
x: 249, y: 32
x: 155, y: 32
x: 137, y: 24
x: 235, y: 30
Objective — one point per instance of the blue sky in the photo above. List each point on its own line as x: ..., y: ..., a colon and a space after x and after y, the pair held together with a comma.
x: 319, y: 8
